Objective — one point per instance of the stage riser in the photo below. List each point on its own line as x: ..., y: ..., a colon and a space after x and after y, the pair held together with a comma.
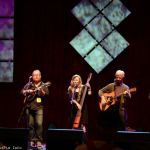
x: 70, y: 139
x: 13, y: 138
x: 132, y: 140
x: 67, y: 139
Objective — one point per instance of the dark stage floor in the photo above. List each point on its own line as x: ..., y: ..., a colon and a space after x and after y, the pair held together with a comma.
x: 70, y: 139
x: 73, y: 139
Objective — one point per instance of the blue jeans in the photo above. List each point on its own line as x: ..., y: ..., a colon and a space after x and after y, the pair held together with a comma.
x: 35, y: 124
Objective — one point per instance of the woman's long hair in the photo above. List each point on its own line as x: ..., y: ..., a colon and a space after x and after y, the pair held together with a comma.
x: 71, y: 87
x: 73, y: 77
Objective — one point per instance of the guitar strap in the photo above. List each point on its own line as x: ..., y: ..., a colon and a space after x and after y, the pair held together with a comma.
x: 115, y: 91
x: 115, y: 94
x: 121, y: 99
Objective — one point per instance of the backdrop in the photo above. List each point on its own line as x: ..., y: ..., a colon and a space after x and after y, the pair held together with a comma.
x: 43, y: 30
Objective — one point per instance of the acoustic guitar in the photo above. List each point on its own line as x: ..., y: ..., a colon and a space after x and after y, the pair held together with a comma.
x: 110, y: 99
x: 29, y: 98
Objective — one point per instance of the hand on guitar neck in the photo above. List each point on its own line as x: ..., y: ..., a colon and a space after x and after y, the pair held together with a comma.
x: 32, y: 91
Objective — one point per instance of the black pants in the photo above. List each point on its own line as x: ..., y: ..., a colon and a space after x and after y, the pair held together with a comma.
x: 84, y: 115
x: 114, y: 117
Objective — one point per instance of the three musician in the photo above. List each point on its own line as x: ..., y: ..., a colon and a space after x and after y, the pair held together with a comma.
x: 35, y: 91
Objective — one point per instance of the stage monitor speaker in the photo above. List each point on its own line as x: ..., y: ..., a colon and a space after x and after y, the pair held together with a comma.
x: 66, y: 139
x: 13, y: 138
x: 128, y: 140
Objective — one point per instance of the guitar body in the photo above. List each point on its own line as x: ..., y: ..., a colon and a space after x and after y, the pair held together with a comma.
x: 77, y: 119
x: 110, y: 99
x: 29, y: 98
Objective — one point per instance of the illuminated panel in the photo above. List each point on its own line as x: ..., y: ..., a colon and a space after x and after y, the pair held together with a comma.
x: 7, y: 8
x: 99, y: 18
x: 6, y: 71
x: 83, y: 43
x: 100, y: 4
x: 114, y: 44
x: 98, y: 59
x: 99, y: 27
x: 6, y: 28
x: 6, y: 50
x: 116, y: 12
x: 84, y: 11
x: 6, y: 40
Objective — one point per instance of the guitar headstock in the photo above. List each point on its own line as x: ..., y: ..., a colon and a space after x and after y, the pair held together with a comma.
x: 133, y: 89
x: 47, y: 83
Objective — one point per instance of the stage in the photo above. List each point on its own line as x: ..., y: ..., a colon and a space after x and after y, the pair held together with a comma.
x: 74, y: 139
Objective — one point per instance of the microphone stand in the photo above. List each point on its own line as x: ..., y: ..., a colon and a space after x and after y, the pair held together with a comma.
x: 25, y: 106
x: 73, y: 94
x: 28, y: 84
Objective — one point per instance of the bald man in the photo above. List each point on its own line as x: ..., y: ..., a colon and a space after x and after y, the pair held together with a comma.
x: 35, y: 92
x: 115, y: 95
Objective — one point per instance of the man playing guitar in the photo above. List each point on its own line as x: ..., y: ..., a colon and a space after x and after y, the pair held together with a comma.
x: 35, y: 92
x: 115, y: 93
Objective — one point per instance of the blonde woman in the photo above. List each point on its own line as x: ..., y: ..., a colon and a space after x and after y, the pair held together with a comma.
x: 75, y: 92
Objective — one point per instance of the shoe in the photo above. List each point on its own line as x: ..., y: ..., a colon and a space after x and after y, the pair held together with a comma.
x: 31, y: 144
x: 39, y: 145
x: 83, y: 128
x: 130, y: 129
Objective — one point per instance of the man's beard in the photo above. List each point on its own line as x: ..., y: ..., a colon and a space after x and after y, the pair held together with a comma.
x: 118, y: 82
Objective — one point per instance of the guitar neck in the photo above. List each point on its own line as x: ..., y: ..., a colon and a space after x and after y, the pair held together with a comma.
x: 83, y: 96
x: 112, y: 94
x: 43, y: 85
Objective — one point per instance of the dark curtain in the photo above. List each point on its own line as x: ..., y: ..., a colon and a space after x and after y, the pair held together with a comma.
x: 43, y: 30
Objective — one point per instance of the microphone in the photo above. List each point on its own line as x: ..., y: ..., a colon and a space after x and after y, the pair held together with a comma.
x: 75, y: 85
x: 30, y: 77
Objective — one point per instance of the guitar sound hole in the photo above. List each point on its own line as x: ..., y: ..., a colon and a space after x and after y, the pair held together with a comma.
x: 109, y: 99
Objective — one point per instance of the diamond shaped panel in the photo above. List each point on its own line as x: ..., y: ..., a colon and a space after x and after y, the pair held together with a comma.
x: 98, y: 59
x: 83, y: 43
x: 84, y: 11
x: 114, y: 43
x: 99, y: 27
x: 116, y: 12
x: 100, y: 4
